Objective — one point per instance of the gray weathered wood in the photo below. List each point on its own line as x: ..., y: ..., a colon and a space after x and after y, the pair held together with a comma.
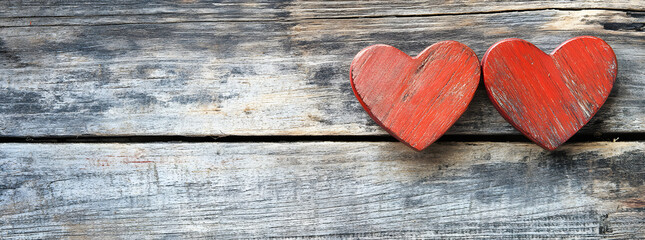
x: 127, y: 11
x: 280, y: 68
x: 97, y: 70
x: 324, y: 190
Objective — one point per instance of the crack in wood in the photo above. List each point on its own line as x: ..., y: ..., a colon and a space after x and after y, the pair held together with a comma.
x: 290, y: 19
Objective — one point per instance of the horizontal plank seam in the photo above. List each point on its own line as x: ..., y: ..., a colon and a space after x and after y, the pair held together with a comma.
x: 286, y: 20
x: 622, y: 137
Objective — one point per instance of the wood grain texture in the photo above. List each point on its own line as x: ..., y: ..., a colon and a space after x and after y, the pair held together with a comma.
x: 129, y: 11
x: 415, y: 99
x: 91, y: 73
x: 549, y: 97
x: 321, y: 190
x: 280, y: 68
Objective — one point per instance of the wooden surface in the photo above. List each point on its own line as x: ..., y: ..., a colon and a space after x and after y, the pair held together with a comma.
x: 267, y: 69
x: 322, y: 190
x: 549, y: 97
x: 415, y: 99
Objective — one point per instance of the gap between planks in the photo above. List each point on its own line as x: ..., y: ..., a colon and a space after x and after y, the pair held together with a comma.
x: 579, y: 138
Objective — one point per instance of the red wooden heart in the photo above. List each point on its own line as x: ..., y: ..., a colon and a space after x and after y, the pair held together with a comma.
x: 415, y: 99
x: 549, y: 97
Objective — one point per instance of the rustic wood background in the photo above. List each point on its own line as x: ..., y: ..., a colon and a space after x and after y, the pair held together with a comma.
x: 181, y: 119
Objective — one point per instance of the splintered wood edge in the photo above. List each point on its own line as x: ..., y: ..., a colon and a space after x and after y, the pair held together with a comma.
x: 333, y: 189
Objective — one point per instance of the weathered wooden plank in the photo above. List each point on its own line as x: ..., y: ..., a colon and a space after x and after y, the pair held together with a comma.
x: 267, y: 77
x: 40, y: 12
x: 332, y: 189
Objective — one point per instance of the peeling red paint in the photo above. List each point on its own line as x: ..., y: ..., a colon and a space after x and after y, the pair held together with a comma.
x: 415, y: 99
